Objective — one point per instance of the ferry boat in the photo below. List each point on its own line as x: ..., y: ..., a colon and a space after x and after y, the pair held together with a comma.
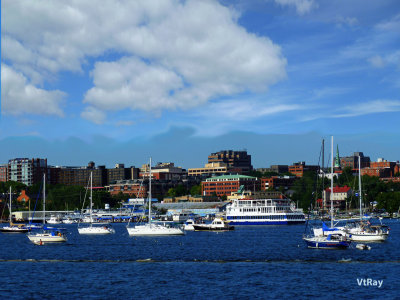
x: 248, y: 211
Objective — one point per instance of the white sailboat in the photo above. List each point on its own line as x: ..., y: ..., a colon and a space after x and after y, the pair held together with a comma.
x: 13, y: 228
x: 98, y: 229
x: 364, y: 231
x: 47, y: 234
x: 153, y: 229
x: 325, y: 237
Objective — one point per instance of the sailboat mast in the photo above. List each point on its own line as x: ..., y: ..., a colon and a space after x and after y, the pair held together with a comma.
x: 91, y: 196
x: 44, y: 198
x: 359, y: 184
x: 150, y: 192
x: 331, y: 183
x: 10, y: 207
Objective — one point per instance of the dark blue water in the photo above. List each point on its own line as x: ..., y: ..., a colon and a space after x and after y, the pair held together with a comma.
x: 257, y: 262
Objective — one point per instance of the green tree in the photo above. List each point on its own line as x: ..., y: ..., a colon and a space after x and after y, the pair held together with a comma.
x: 195, y: 190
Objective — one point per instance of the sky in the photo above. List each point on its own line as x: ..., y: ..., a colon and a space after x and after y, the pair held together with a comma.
x: 119, y: 81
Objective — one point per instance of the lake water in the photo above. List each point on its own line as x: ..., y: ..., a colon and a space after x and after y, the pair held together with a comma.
x: 249, y: 262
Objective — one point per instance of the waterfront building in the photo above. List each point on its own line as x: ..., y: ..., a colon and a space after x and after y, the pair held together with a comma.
x: 238, y: 160
x: 190, y: 198
x: 226, y: 184
x: 26, y: 171
x: 299, y: 168
x: 133, y: 188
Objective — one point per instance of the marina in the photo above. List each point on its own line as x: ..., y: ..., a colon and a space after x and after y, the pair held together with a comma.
x: 252, y: 256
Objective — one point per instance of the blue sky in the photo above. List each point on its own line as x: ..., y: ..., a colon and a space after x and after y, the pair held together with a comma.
x: 176, y: 80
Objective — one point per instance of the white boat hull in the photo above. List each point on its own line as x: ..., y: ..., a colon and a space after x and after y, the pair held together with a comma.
x: 153, y: 229
x: 367, y: 237
x: 46, y: 238
x: 96, y: 230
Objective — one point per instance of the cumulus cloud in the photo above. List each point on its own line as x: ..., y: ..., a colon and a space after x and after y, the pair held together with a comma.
x: 19, y: 97
x: 302, y: 6
x: 94, y: 115
x: 176, y: 54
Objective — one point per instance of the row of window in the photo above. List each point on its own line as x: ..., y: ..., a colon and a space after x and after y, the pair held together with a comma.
x: 273, y: 217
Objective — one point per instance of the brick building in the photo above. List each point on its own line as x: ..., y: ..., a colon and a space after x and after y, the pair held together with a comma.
x: 78, y: 175
x: 276, y: 182
x: 299, y: 168
x: 226, y: 184
x: 3, y: 173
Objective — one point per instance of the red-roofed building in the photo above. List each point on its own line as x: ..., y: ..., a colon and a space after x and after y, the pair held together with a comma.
x: 339, y: 197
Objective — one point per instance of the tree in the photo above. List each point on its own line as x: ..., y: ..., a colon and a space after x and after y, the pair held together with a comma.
x: 195, y: 190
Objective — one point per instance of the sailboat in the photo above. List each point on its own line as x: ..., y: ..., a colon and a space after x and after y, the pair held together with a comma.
x: 364, y: 231
x: 13, y: 228
x: 331, y: 238
x: 152, y: 228
x: 47, y: 234
x: 94, y: 230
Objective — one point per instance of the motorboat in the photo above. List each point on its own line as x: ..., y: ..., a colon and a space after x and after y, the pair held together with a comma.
x: 188, y: 226
x: 365, y: 232
x: 218, y: 224
x: 54, y: 220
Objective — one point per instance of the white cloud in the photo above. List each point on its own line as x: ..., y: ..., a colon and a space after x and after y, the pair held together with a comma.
x: 19, y: 97
x: 94, y: 115
x: 371, y: 107
x: 302, y: 6
x: 376, y: 61
x: 177, y: 54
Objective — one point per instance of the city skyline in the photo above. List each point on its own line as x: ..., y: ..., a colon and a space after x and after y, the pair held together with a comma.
x: 126, y: 80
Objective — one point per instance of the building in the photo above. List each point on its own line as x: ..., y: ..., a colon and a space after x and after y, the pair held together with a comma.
x: 275, y: 182
x: 275, y: 169
x: 238, y: 160
x: 163, y: 171
x: 210, y: 169
x: 226, y: 184
x: 189, y: 198
x: 122, y: 173
x: 26, y: 171
x: 133, y: 188
x: 3, y: 173
x: 352, y: 161
x: 339, y: 197
x: 393, y: 167
x: 78, y: 175
x: 377, y: 172
x: 299, y: 168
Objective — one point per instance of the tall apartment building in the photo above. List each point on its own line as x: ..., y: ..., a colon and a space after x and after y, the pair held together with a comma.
x: 238, y: 160
x: 122, y: 173
x: 352, y: 161
x: 27, y: 171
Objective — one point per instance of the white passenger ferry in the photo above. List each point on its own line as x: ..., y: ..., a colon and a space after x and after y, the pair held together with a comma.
x: 247, y: 211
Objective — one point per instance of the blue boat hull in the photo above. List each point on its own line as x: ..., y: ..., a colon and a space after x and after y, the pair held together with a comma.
x: 328, y: 245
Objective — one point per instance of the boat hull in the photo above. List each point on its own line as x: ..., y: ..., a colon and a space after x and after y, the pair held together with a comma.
x: 96, y: 230
x: 209, y: 228
x: 12, y: 229
x: 46, y: 238
x: 323, y: 244
x: 153, y: 230
x: 368, y: 237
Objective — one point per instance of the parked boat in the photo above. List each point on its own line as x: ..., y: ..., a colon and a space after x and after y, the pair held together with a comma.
x: 218, y: 224
x: 151, y: 228
x: 54, y: 220
x: 246, y: 211
x: 13, y: 228
x: 335, y: 238
x: 99, y: 229
x: 364, y: 231
x: 47, y: 234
